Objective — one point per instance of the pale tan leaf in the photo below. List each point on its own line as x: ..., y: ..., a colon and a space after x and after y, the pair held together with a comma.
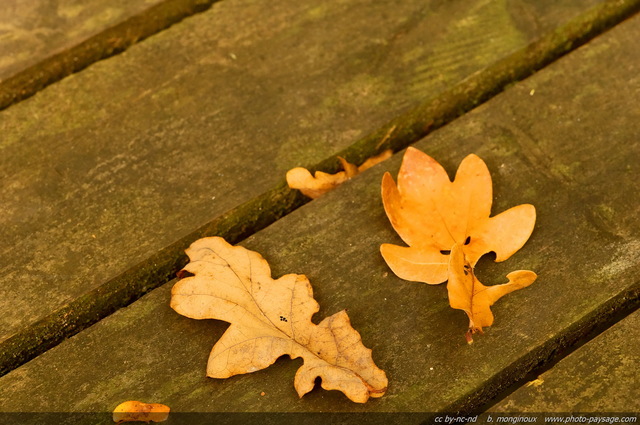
x: 467, y: 293
x: 431, y: 213
x: 270, y: 318
x: 137, y: 411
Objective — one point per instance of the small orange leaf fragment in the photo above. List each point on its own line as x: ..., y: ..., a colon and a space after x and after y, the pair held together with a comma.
x: 320, y: 183
x: 384, y: 155
x: 137, y: 411
x: 350, y: 170
x: 270, y: 318
x: 314, y: 186
x: 431, y: 213
x: 467, y: 293
x: 535, y: 383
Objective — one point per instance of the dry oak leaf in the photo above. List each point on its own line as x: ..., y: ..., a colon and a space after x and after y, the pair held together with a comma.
x: 137, y: 411
x: 467, y: 293
x: 321, y: 183
x: 270, y: 318
x: 431, y: 214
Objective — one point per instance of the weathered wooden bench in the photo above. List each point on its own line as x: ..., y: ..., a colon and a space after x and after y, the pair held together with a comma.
x: 109, y: 174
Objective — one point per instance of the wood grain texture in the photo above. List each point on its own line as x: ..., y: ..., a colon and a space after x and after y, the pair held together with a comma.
x: 33, y: 30
x: 564, y: 140
x: 110, y: 174
x: 600, y: 376
x: 44, y: 41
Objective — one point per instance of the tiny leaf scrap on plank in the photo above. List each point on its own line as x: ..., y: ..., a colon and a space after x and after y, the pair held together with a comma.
x: 447, y: 227
x: 321, y: 182
x: 271, y: 318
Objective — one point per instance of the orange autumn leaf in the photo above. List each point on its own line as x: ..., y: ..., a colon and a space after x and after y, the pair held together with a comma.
x: 431, y: 214
x: 137, y: 411
x: 270, y: 318
x: 467, y: 293
x: 320, y: 183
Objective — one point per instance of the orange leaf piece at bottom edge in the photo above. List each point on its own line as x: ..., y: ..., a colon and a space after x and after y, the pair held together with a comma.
x: 271, y: 318
x: 320, y: 182
x: 137, y: 411
x: 467, y: 293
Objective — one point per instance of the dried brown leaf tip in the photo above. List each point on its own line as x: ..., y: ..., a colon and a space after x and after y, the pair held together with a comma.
x: 320, y: 183
x: 433, y: 214
x: 137, y: 411
x: 270, y: 318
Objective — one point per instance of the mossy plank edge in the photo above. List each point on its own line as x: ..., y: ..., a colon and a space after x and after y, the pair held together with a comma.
x: 110, y: 41
x: 598, y: 377
x: 480, y: 87
x: 159, y: 266
x: 553, y: 350
x: 542, y: 146
x: 129, y: 286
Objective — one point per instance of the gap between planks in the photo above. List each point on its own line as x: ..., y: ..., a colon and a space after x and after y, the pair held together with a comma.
x: 554, y: 350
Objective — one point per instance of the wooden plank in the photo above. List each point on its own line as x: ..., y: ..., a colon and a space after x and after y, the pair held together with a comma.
x: 111, y: 173
x: 44, y: 41
x: 564, y: 140
x: 601, y: 377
